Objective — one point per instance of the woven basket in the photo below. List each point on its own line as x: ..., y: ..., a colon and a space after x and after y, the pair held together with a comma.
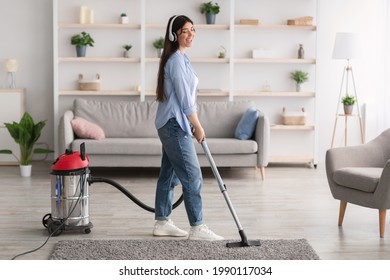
x: 93, y: 85
x: 294, y: 118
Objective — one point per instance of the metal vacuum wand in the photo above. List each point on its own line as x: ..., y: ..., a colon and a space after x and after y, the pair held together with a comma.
x: 244, y: 241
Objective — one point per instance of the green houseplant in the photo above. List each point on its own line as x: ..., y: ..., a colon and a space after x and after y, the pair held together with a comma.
x: 81, y: 41
x: 127, y: 48
x: 348, y: 102
x: 26, y: 133
x: 159, y: 45
x: 211, y: 10
x: 299, y: 78
x: 124, y: 18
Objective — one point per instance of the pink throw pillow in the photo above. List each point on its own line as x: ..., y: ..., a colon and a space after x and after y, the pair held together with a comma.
x: 87, y: 130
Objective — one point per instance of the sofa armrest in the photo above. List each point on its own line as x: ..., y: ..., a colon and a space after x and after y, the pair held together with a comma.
x: 65, y: 134
x: 262, y: 137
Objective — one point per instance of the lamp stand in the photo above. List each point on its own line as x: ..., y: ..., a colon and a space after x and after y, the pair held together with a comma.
x: 347, y: 70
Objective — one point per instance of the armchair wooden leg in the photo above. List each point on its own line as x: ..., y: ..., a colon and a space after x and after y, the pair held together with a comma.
x: 343, y: 206
x: 262, y: 172
x: 382, y: 222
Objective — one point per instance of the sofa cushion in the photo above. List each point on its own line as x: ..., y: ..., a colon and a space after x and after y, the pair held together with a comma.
x: 119, y: 119
x: 120, y: 146
x: 247, y: 124
x: 220, y: 119
x: 360, y: 178
x: 228, y: 146
x: 87, y: 130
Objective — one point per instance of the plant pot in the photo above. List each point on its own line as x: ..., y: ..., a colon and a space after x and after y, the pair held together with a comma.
x: 124, y: 20
x: 159, y: 52
x: 348, y: 109
x: 80, y: 51
x: 297, y: 87
x: 25, y: 170
x: 126, y: 54
x: 210, y: 18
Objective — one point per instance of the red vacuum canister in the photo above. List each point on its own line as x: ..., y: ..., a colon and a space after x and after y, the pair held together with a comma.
x: 69, y: 193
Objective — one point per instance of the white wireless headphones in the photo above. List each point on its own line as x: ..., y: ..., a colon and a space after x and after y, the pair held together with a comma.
x: 172, y: 36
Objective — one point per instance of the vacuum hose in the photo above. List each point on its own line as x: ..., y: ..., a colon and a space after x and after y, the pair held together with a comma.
x: 128, y: 194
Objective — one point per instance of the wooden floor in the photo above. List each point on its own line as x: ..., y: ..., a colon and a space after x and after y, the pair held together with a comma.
x: 293, y: 202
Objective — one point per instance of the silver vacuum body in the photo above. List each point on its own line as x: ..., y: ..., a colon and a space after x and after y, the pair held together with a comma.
x: 69, y: 198
x: 69, y: 194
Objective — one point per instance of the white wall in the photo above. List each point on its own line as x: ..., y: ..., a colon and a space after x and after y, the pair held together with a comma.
x: 26, y: 35
x: 366, y: 19
x: 26, y: 32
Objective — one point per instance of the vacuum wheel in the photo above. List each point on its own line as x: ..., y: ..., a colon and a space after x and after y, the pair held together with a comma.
x: 45, y: 220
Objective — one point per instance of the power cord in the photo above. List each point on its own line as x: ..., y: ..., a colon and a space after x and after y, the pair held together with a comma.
x: 79, y: 186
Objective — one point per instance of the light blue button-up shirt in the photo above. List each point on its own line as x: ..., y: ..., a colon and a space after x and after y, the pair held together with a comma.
x: 180, y: 87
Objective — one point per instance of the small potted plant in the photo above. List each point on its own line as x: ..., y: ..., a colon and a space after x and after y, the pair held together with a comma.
x: 81, y: 41
x: 211, y: 10
x: 159, y: 45
x: 26, y: 133
x: 348, y: 102
x: 299, y: 78
x: 124, y: 18
x: 222, y: 52
x: 127, y: 48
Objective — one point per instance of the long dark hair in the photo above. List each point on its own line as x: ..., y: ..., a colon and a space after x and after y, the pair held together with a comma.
x: 169, y: 49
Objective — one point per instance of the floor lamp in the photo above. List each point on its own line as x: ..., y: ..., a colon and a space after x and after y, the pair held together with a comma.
x: 345, y: 47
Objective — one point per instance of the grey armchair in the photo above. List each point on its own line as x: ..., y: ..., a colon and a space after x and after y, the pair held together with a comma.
x: 361, y: 175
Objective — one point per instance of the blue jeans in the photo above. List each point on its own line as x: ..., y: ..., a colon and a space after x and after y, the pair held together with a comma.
x: 179, y: 164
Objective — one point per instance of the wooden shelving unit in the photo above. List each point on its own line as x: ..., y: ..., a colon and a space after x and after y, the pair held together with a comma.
x: 143, y: 64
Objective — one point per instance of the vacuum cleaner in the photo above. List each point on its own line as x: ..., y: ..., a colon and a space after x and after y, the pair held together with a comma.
x: 70, y: 181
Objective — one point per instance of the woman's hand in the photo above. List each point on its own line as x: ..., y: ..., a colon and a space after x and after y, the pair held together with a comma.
x: 197, y: 129
x: 198, y: 133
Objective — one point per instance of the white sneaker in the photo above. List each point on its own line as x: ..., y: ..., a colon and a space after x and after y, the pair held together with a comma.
x: 202, y: 232
x: 167, y: 228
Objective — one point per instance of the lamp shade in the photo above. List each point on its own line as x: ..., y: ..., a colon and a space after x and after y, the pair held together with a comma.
x: 345, y: 46
x: 11, y: 65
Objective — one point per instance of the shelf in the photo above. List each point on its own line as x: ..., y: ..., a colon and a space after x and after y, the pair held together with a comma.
x: 292, y: 127
x: 100, y: 59
x: 205, y: 93
x: 99, y: 26
x: 275, y: 60
x: 195, y: 60
x: 273, y: 93
x: 197, y: 26
x: 213, y: 92
x: 99, y: 92
x: 276, y: 26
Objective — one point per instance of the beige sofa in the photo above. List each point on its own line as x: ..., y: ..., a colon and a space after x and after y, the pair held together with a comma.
x: 131, y: 138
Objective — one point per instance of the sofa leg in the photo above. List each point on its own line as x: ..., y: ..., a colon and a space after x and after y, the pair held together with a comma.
x: 262, y: 172
x: 382, y: 222
x: 343, y: 206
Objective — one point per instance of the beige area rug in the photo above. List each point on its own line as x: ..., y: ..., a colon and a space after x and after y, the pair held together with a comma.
x: 281, y: 249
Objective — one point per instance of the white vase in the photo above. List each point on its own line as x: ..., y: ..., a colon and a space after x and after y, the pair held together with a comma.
x: 124, y: 20
x: 126, y: 54
x: 25, y: 170
x: 159, y: 52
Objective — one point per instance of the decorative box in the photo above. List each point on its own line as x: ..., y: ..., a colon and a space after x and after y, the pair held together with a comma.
x: 294, y: 117
x: 301, y: 21
x: 89, y: 85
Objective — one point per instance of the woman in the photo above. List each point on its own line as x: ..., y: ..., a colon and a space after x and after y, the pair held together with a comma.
x: 176, y: 122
